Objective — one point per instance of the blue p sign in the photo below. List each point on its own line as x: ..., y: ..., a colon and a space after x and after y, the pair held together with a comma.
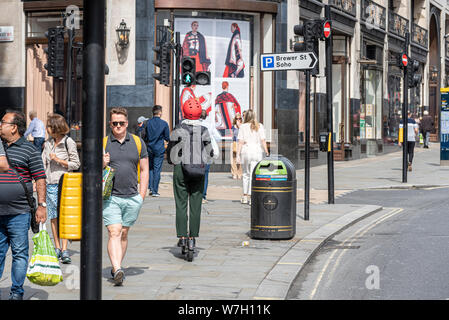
x: 268, y: 62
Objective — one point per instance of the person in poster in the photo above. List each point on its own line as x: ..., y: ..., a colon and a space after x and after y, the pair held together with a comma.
x: 235, y: 67
x: 194, y: 46
x: 226, y: 107
x: 189, y: 92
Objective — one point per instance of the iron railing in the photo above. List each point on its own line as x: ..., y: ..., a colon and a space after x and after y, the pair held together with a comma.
x: 419, y: 35
x: 374, y: 15
x: 346, y: 6
x: 397, y: 25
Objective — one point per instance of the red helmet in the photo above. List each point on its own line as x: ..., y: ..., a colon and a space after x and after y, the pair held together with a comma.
x: 191, y: 109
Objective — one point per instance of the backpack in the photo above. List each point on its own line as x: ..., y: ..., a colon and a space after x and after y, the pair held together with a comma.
x: 194, y: 171
x: 139, y: 149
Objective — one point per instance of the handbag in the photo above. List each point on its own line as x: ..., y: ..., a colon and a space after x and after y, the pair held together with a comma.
x: 31, y: 200
x: 44, y: 269
x: 108, y: 175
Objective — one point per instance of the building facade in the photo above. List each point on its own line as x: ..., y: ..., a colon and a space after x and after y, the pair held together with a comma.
x: 368, y: 35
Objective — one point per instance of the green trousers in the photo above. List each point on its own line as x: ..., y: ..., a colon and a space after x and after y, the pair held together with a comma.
x: 191, y: 192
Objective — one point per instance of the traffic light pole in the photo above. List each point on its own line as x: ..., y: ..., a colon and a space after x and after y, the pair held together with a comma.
x: 178, y: 49
x: 307, y: 149
x: 404, y: 116
x: 93, y: 104
x: 330, y: 121
x: 69, y: 76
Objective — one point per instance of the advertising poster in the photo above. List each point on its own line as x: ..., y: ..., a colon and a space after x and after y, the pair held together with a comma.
x: 223, y: 48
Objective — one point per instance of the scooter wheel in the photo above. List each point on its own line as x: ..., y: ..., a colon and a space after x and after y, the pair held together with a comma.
x: 190, y: 256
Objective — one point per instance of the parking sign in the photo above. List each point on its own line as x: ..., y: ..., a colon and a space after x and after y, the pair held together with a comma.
x: 268, y: 62
x: 288, y: 61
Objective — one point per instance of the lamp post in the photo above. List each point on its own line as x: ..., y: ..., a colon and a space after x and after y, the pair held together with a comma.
x: 123, y: 34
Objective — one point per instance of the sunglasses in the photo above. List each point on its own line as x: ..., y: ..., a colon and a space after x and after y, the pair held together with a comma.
x: 238, y: 118
x: 116, y: 123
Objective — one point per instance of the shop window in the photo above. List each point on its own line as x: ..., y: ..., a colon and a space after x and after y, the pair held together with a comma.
x: 371, y: 108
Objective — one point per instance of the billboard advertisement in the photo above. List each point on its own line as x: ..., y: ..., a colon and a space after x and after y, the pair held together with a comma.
x: 223, y: 48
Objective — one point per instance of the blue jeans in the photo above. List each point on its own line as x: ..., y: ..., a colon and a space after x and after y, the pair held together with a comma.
x: 14, y: 233
x: 38, y: 142
x: 206, y: 178
x: 155, y: 161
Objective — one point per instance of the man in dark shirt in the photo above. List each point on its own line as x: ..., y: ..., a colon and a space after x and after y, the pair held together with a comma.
x: 14, y: 208
x: 427, y: 126
x: 157, y: 132
x: 121, y: 210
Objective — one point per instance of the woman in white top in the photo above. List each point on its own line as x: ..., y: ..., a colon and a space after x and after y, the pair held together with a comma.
x: 251, y: 145
x: 59, y: 156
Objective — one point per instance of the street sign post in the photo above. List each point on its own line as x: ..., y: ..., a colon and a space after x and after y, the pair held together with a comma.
x: 288, y: 61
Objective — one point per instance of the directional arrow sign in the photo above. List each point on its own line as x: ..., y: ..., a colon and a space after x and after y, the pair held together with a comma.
x: 288, y: 61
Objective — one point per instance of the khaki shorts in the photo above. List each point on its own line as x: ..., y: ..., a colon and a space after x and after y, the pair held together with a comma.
x: 122, y: 211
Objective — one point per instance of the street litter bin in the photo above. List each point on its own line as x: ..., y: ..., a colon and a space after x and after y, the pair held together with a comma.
x: 273, y: 199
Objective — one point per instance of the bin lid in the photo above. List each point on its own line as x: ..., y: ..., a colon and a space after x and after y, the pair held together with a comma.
x: 275, y: 168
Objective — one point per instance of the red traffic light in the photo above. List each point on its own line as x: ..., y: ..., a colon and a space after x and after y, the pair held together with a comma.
x: 327, y: 29
x: 404, y: 60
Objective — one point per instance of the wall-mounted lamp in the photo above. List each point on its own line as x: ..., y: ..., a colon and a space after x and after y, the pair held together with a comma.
x: 433, y: 73
x: 123, y: 34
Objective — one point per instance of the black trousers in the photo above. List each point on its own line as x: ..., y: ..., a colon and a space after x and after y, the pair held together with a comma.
x: 410, y: 150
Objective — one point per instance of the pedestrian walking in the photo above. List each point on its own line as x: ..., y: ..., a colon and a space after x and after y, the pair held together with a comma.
x: 59, y: 156
x: 215, y: 136
x: 250, y: 150
x: 141, y: 128
x: 189, y: 149
x: 127, y: 155
x: 412, y: 132
x: 25, y: 165
x: 37, y: 130
x: 157, y: 132
x: 236, y: 168
x: 427, y: 125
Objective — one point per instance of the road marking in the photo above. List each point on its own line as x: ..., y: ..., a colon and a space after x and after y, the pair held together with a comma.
x: 360, y: 232
x: 292, y: 263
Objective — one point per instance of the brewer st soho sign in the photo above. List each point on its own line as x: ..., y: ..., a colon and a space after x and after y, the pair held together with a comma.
x: 288, y: 61
x: 6, y: 34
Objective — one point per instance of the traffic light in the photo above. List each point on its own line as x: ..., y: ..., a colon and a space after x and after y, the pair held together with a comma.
x: 55, y: 52
x: 163, y: 61
x: 312, y: 31
x: 202, y: 78
x: 188, y: 68
x: 413, y: 77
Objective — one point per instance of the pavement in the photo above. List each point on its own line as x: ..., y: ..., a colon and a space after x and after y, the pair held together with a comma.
x: 228, y: 264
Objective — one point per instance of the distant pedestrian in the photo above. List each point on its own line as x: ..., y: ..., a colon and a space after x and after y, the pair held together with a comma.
x: 141, y: 128
x: 126, y: 153
x: 59, y: 156
x: 412, y: 132
x: 37, y: 130
x: 427, y: 125
x: 250, y: 150
x: 189, y: 149
x: 15, y: 214
x: 157, y: 132
x: 215, y: 136
x: 236, y: 168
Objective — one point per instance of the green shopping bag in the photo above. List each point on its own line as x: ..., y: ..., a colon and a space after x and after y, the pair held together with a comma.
x: 44, y: 269
x: 108, y: 175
